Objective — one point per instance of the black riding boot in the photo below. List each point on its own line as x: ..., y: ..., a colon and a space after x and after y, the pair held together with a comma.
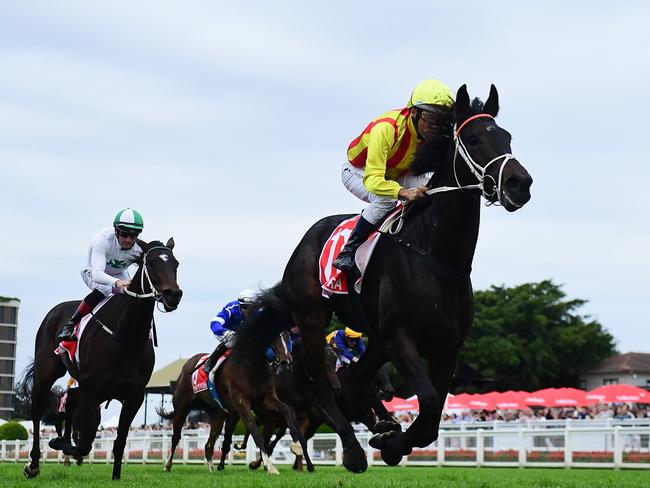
x: 345, y: 260
x: 85, y: 307
x: 67, y: 334
x: 211, y: 361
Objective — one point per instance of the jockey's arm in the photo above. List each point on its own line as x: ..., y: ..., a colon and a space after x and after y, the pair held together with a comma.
x: 218, y: 322
x: 99, y: 248
x: 380, y: 140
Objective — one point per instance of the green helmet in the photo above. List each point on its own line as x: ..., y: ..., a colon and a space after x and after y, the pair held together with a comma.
x: 431, y: 95
x: 128, y: 220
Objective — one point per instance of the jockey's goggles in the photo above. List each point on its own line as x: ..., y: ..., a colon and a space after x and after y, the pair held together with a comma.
x: 435, y: 116
x: 124, y: 234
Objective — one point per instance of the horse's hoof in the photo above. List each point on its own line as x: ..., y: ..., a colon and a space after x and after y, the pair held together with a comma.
x: 310, y: 468
x: 57, y: 443
x: 80, y: 461
x: 254, y: 465
x: 167, y: 469
x: 379, y: 441
x: 384, y: 426
x: 220, y: 467
x: 30, y: 472
x: 273, y: 470
x: 354, y: 459
x: 391, y: 458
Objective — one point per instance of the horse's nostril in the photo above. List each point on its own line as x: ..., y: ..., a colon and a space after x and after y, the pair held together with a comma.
x: 513, y: 184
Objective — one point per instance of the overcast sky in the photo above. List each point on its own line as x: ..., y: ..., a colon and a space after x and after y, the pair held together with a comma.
x: 226, y: 123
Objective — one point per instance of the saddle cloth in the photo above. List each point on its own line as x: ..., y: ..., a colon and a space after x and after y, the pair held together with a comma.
x: 200, y: 377
x: 71, y: 348
x: 332, y: 280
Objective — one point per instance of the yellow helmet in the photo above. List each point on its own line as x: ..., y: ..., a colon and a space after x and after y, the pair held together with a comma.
x: 429, y: 94
x: 352, y: 334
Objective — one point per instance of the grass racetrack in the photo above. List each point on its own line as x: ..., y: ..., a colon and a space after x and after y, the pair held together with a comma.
x: 151, y: 476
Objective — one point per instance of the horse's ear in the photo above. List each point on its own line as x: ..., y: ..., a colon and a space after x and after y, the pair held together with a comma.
x: 142, y: 244
x: 462, y: 104
x: 492, y: 104
x: 170, y: 243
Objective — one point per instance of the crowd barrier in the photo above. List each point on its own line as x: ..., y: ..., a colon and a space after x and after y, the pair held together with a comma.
x: 568, y: 444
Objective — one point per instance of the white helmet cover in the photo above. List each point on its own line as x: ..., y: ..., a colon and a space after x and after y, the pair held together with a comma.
x: 246, y: 296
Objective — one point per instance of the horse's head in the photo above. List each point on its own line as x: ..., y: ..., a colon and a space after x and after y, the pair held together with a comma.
x: 283, y: 354
x: 485, y: 147
x: 157, y: 274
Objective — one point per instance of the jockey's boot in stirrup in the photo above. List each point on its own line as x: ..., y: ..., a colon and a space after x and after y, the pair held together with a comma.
x: 67, y: 334
x: 210, y: 362
x: 345, y: 260
x: 85, y: 307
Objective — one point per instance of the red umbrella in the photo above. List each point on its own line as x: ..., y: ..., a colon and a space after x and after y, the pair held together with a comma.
x: 510, y: 400
x: 482, y: 402
x: 458, y: 402
x: 397, y: 403
x: 557, y: 397
x: 619, y: 393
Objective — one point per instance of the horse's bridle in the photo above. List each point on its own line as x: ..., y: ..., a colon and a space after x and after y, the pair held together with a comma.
x: 155, y: 294
x: 479, y: 172
x: 393, y: 226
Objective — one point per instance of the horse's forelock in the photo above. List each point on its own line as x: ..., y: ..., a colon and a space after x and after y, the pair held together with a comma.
x: 476, y: 106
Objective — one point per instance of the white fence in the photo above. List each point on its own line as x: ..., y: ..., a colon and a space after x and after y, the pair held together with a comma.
x: 589, y: 443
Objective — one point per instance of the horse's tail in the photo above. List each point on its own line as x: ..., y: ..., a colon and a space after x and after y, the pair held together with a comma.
x: 269, y: 317
x: 26, y: 381
x: 163, y: 414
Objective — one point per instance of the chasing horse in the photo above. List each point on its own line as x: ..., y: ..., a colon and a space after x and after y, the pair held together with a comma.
x: 114, y: 356
x: 415, y: 302
x: 243, y: 381
x: 192, y: 393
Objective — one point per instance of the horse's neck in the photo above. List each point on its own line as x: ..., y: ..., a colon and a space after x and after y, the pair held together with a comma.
x: 447, y: 227
x: 136, y: 316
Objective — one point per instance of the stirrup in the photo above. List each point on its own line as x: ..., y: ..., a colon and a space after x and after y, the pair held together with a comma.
x: 344, y: 262
x: 67, y: 335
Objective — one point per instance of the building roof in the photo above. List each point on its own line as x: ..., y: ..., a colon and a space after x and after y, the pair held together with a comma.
x: 160, y: 379
x: 631, y: 362
x: 9, y: 299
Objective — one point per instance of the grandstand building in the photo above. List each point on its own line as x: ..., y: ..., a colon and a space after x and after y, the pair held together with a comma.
x: 8, y: 336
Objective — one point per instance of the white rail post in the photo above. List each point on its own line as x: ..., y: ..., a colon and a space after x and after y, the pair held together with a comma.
x: 618, y: 451
x: 338, y: 452
x: 146, y: 442
x: 568, y: 452
x: 17, y: 450
x: 370, y: 455
x: 479, y: 448
x: 164, y: 447
x: 522, y: 448
x: 186, y: 450
x: 441, y: 448
x: 3, y: 449
x: 251, y: 450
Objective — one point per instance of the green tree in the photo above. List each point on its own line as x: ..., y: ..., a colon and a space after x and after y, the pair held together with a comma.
x: 531, y: 336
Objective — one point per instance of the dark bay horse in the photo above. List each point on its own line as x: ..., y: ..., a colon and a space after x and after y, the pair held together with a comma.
x: 416, y: 305
x: 116, y: 355
x: 296, y: 388
x: 245, y: 382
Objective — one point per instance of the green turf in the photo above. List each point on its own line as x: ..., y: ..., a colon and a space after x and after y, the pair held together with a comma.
x: 197, y: 476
